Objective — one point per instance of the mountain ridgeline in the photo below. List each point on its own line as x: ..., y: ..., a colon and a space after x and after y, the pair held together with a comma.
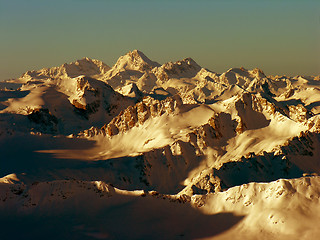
x: 176, y: 134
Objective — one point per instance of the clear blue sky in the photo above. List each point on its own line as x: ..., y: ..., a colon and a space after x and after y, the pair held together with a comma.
x: 278, y: 36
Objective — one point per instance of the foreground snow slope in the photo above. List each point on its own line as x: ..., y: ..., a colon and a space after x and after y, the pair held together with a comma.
x: 215, y: 148
x: 284, y: 209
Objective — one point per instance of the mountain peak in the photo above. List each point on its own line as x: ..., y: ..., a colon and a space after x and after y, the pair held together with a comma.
x: 84, y: 66
x: 133, y: 60
x: 239, y: 71
x: 254, y: 73
x: 189, y: 61
x: 140, y: 57
x: 183, y: 65
x: 83, y: 60
x: 257, y: 72
x: 87, y: 59
x: 138, y: 54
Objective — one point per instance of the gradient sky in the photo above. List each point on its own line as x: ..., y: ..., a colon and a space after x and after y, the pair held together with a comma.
x: 278, y: 36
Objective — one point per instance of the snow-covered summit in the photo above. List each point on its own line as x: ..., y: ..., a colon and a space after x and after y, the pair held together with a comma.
x: 132, y: 61
x: 186, y: 68
x: 85, y: 66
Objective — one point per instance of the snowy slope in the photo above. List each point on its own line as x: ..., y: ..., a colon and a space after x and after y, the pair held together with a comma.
x: 284, y: 209
x: 82, y: 100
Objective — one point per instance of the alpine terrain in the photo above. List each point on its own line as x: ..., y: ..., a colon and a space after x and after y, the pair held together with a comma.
x: 142, y: 150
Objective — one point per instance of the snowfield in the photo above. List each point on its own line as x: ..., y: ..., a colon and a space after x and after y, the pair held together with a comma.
x: 142, y: 150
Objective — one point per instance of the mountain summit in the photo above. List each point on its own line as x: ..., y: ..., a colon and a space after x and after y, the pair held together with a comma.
x: 85, y: 66
x: 134, y: 60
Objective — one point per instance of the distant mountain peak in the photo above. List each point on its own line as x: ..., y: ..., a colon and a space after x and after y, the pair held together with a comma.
x: 84, y: 66
x: 138, y: 56
x: 87, y: 59
x: 257, y: 72
x: 137, y: 60
x: 240, y: 70
x: 184, y: 64
x: 87, y: 63
x: 190, y: 62
x: 185, y: 68
x: 134, y: 60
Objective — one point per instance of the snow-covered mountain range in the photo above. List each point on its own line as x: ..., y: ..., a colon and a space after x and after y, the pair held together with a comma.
x: 142, y: 150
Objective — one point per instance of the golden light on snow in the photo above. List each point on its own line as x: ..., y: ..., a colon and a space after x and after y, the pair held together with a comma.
x: 143, y: 150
